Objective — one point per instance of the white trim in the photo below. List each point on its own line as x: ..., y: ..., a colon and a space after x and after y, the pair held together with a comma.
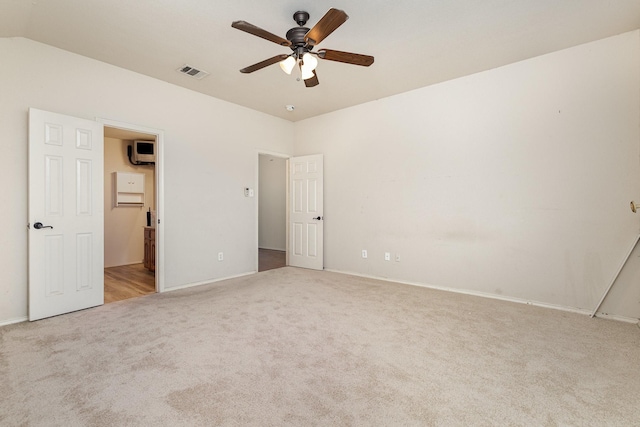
x: 14, y: 320
x: 287, y: 213
x: 618, y: 318
x: 496, y: 297
x: 274, y: 154
x: 160, y: 212
x: 159, y: 197
x: 128, y: 126
x: 207, y: 282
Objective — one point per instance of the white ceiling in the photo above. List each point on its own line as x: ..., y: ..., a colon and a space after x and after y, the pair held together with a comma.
x: 415, y: 42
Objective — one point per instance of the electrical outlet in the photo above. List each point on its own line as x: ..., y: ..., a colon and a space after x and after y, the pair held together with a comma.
x: 397, y: 258
x: 220, y: 256
x: 364, y: 253
x: 387, y: 256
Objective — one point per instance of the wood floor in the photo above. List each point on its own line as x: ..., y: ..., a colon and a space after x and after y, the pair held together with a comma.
x: 127, y: 281
x: 130, y: 281
x: 269, y: 259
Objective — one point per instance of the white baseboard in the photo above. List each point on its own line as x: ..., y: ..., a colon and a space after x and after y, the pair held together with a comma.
x: 617, y: 318
x: 12, y: 321
x: 206, y: 282
x: 497, y: 297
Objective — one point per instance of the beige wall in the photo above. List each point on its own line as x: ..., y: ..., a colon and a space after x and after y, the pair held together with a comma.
x: 123, y: 226
x: 514, y: 182
x: 209, y: 157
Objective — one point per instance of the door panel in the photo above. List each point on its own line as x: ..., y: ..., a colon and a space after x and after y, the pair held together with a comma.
x: 66, y: 198
x: 306, y: 205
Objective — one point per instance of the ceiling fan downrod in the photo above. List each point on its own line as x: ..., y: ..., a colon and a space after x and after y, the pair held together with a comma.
x: 296, y: 35
x: 301, y: 17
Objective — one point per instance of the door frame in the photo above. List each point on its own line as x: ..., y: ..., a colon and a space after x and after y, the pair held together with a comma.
x: 257, y: 185
x: 159, y: 196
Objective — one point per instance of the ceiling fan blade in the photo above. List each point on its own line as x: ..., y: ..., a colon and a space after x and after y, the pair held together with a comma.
x: 327, y: 25
x: 257, y: 31
x: 346, y: 57
x: 313, y: 81
x: 262, y: 64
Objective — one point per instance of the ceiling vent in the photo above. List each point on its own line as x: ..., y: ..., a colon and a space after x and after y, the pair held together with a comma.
x: 193, y: 72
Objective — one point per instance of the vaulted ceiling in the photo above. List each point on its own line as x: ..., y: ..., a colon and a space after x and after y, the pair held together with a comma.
x: 415, y: 42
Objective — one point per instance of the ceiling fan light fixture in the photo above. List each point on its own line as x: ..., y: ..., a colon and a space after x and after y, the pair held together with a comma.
x: 309, y: 61
x: 307, y: 65
x: 307, y: 72
x: 288, y: 64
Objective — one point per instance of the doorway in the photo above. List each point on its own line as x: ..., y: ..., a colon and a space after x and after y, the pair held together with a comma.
x: 272, y: 211
x: 67, y: 153
x: 130, y: 229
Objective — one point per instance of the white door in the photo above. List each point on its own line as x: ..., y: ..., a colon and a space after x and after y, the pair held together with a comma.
x: 306, y: 212
x: 66, y: 214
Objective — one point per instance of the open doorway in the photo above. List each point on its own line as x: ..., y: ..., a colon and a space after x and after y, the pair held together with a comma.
x: 129, y: 216
x: 272, y: 208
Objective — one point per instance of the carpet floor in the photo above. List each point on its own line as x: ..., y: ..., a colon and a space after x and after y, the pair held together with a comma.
x: 304, y: 348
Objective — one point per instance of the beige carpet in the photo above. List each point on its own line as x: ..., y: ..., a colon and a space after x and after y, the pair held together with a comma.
x: 303, y: 348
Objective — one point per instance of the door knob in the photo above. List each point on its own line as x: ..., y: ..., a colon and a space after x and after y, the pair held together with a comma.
x: 38, y: 226
x: 317, y: 218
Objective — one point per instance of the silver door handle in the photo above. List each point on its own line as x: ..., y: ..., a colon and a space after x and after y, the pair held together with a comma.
x: 38, y: 226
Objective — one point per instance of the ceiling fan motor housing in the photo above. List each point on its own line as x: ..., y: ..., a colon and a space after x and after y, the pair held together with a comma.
x: 296, y: 36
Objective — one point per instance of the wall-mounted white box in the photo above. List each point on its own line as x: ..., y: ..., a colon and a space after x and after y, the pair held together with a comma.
x: 128, y: 189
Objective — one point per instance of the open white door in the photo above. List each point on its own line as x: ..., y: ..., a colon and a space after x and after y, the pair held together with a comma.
x: 66, y: 235
x: 305, y: 212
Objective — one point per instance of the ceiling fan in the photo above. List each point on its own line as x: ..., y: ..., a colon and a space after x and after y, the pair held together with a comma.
x: 302, y: 40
